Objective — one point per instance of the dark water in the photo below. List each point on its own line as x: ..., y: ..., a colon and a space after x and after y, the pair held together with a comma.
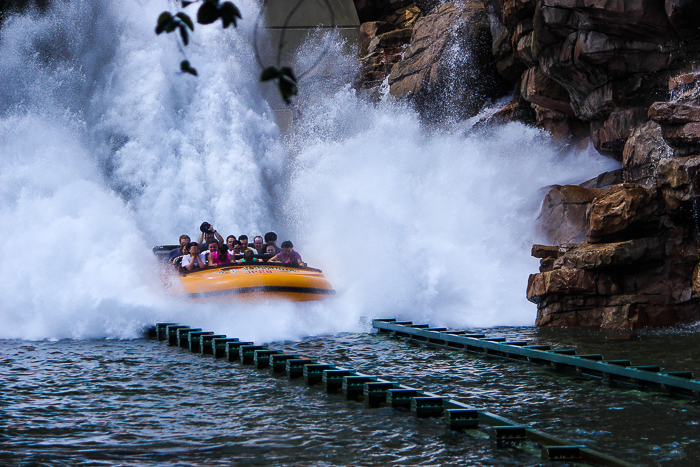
x: 140, y: 402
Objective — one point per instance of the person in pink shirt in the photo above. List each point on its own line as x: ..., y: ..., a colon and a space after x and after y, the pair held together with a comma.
x: 218, y: 254
x: 288, y: 255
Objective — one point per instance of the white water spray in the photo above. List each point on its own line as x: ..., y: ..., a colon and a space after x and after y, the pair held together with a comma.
x: 107, y: 150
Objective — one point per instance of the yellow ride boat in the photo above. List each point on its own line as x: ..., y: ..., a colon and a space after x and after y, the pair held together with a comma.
x: 254, y: 281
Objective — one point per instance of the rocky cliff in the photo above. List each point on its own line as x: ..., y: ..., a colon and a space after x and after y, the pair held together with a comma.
x: 615, y: 74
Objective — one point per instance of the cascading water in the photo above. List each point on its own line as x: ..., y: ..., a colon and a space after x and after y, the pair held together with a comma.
x: 107, y: 150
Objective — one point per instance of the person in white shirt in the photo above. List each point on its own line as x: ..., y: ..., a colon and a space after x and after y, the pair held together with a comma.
x: 194, y: 260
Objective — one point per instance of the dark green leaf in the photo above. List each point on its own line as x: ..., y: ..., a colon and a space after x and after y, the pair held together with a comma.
x: 208, y: 13
x: 229, y: 12
x: 186, y: 3
x: 183, y: 33
x: 186, y: 68
x: 285, y: 70
x: 288, y: 88
x: 164, y: 19
x: 269, y: 73
x: 186, y: 19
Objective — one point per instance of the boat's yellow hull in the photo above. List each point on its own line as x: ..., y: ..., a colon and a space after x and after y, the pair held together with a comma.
x: 257, y: 281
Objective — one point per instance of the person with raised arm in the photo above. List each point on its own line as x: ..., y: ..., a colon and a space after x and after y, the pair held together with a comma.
x: 207, y: 234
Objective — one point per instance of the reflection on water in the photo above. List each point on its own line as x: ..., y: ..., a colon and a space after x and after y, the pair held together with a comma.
x: 140, y: 402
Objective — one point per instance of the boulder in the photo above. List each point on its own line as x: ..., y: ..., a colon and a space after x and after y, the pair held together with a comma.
x: 684, y: 136
x: 679, y: 182
x: 684, y: 16
x: 560, y: 281
x: 541, y: 90
x: 644, y: 146
x: 447, y: 70
x: 562, y: 219
x: 610, y: 139
x: 626, y: 211
x: 674, y: 113
x: 596, y: 49
x: 605, y: 255
x: 405, y: 17
x: 370, y: 30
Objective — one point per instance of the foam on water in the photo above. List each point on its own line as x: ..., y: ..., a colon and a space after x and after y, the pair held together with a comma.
x: 107, y: 150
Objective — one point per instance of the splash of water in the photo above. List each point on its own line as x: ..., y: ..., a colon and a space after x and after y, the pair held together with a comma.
x: 107, y: 150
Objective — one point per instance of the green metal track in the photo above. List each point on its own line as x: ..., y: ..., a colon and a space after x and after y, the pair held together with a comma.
x: 620, y: 371
x: 376, y: 391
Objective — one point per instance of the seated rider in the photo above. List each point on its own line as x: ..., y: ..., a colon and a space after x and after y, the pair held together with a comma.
x: 218, y: 254
x: 236, y: 249
x: 270, y: 249
x: 230, y: 241
x: 271, y: 239
x: 288, y: 255
x: 177, y: 252
x: 243, y: 239
x: 193, y: 260
x: 249, y: 257
x: 258, y: 245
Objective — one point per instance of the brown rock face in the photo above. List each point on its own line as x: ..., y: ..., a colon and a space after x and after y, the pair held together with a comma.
x: 563, y: 216
x: 447, y: 69
x: 644, y: 146
x: 684, y: 16
x: 611, y: 138
x: 606, y: 255
x: 627, y: 210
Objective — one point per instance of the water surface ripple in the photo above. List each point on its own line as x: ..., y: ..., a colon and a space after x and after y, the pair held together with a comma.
x: 140, y: 402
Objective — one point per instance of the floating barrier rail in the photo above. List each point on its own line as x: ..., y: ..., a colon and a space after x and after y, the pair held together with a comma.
x: 593, y: 365
x: 376, y: 392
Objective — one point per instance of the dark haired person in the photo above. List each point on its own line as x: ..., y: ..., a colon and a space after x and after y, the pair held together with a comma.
x: 230, y: 241
x: 207, y: 234
x: 218, y: 254
x: 179, y: 251
x: 269, y: 250
x: 193, y: 260
x: 258, y: 245
x: 288, y: 255
x: 249, y: 257
x: 243, y: 239
x: 271, y: 239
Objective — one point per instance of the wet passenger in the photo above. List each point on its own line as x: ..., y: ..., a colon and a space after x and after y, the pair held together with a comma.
x: 237, y: 249
x: 271, y: 239
x: 288, y: 255
x: 207, y: 234
x: 258, y: 244
x: 270, y: 249
x: 230, y: 241
x: 249, y: 257
x: 218, y: 254
x: 243, y: 239
x: 194, y: 260
x: 177, y: 252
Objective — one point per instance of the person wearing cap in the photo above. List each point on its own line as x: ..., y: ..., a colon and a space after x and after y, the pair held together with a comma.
x: 207, y: 234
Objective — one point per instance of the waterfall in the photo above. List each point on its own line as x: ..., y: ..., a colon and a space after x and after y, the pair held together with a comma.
x: 107, y: 149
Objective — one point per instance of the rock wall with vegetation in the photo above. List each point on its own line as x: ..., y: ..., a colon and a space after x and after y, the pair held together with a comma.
x: 619, y: 75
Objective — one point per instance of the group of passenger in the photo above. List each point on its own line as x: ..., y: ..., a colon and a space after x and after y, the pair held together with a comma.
x: 210, y: 250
